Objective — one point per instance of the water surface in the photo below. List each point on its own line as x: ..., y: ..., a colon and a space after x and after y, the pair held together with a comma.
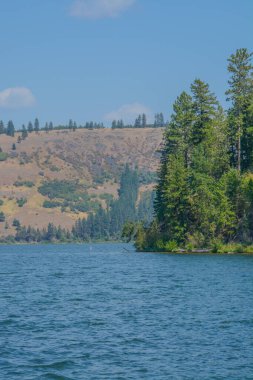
x: 106, y: 312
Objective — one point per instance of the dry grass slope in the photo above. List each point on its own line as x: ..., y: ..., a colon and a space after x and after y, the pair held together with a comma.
x: 95, y: 158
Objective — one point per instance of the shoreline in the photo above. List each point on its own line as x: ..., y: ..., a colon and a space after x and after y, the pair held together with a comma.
x: 60, y: 243
x: 181, y: 252
x: 188, y: 253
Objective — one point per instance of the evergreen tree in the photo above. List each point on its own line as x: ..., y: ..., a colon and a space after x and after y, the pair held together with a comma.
x: 70, y: 126
x: 10, y: 130
x: 177, y: 143
x: 144, y: 120
x: 24, y: 132
x: 120, y: 124
x: 2, y: 217
x: 16, y: 223
x: 30, y: 127
x: 51, y: 232
x: 36, y: 125
x: 205, y: 107
x: 46, y: 127
x: 2, y: 129
x: 161, y: 120
x: 176, y: 213
x: 156, y: 121
x: 137, y: 123
x: 240, y: 93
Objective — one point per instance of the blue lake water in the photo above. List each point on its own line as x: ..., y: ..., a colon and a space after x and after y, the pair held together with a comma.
x: 104, y: 311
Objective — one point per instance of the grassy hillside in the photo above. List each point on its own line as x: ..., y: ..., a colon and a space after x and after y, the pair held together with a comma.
x: 60, y: 176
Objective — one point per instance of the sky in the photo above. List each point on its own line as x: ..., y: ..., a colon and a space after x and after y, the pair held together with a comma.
x: 110, y: 59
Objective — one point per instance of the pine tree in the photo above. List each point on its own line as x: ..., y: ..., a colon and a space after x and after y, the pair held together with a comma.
x: 30, y: 127
x: 181, y: 127
x: 137, y: 123
x: 240, y: 93
x: 205, y: 107
x: 24, y: 132
x: 10, y: 130
x: 2, y: 129
x: 36, y: 125
x: 70, y: 126
x: 2, y: 217
x: 144, y: 120
x: 176, y: 220
x: 176, y: 146
x: 46, y: 127
x: 161, y: 120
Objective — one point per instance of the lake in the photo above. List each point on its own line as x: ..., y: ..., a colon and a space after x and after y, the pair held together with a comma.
x: 103, y: 311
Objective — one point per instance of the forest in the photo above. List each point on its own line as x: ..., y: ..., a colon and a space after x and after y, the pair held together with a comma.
x: 204, y: 195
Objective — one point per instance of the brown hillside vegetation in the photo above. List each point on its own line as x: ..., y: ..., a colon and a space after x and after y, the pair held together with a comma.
x: 92, y: 159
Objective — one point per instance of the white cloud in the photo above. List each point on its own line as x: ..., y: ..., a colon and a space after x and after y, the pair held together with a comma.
x: 95, y: 9
x: 129, y: 112
x: 16, y: 97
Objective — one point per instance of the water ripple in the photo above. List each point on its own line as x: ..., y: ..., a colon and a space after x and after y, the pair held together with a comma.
x: 68, y: 313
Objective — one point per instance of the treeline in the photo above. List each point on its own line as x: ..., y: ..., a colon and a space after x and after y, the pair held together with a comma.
x: 204, y: 196
x: 140, y: 122
x: 29, y: 234
x: 35, y: 126
x: 8, y: 130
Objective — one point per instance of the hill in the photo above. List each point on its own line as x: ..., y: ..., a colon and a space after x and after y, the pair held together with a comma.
x: 60, y: 176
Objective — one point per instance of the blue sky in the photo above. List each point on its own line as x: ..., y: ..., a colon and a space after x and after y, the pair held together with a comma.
x: 100, y: 59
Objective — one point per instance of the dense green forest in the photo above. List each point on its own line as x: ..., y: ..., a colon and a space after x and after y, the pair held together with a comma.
x: 204, y: 195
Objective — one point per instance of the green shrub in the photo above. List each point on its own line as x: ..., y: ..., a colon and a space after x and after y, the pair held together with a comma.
x: 2, y: 217
x: 24, y: 183
x: 54, y: 168
x: 16, y: 223
x: 3, y: 156
x: 160, y: 245
x: 171, y: 246
x: 59, y: 189
x: 216, y: 246
x: 248, y: 249
x: 51, y: 204
x: 21, y: 202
